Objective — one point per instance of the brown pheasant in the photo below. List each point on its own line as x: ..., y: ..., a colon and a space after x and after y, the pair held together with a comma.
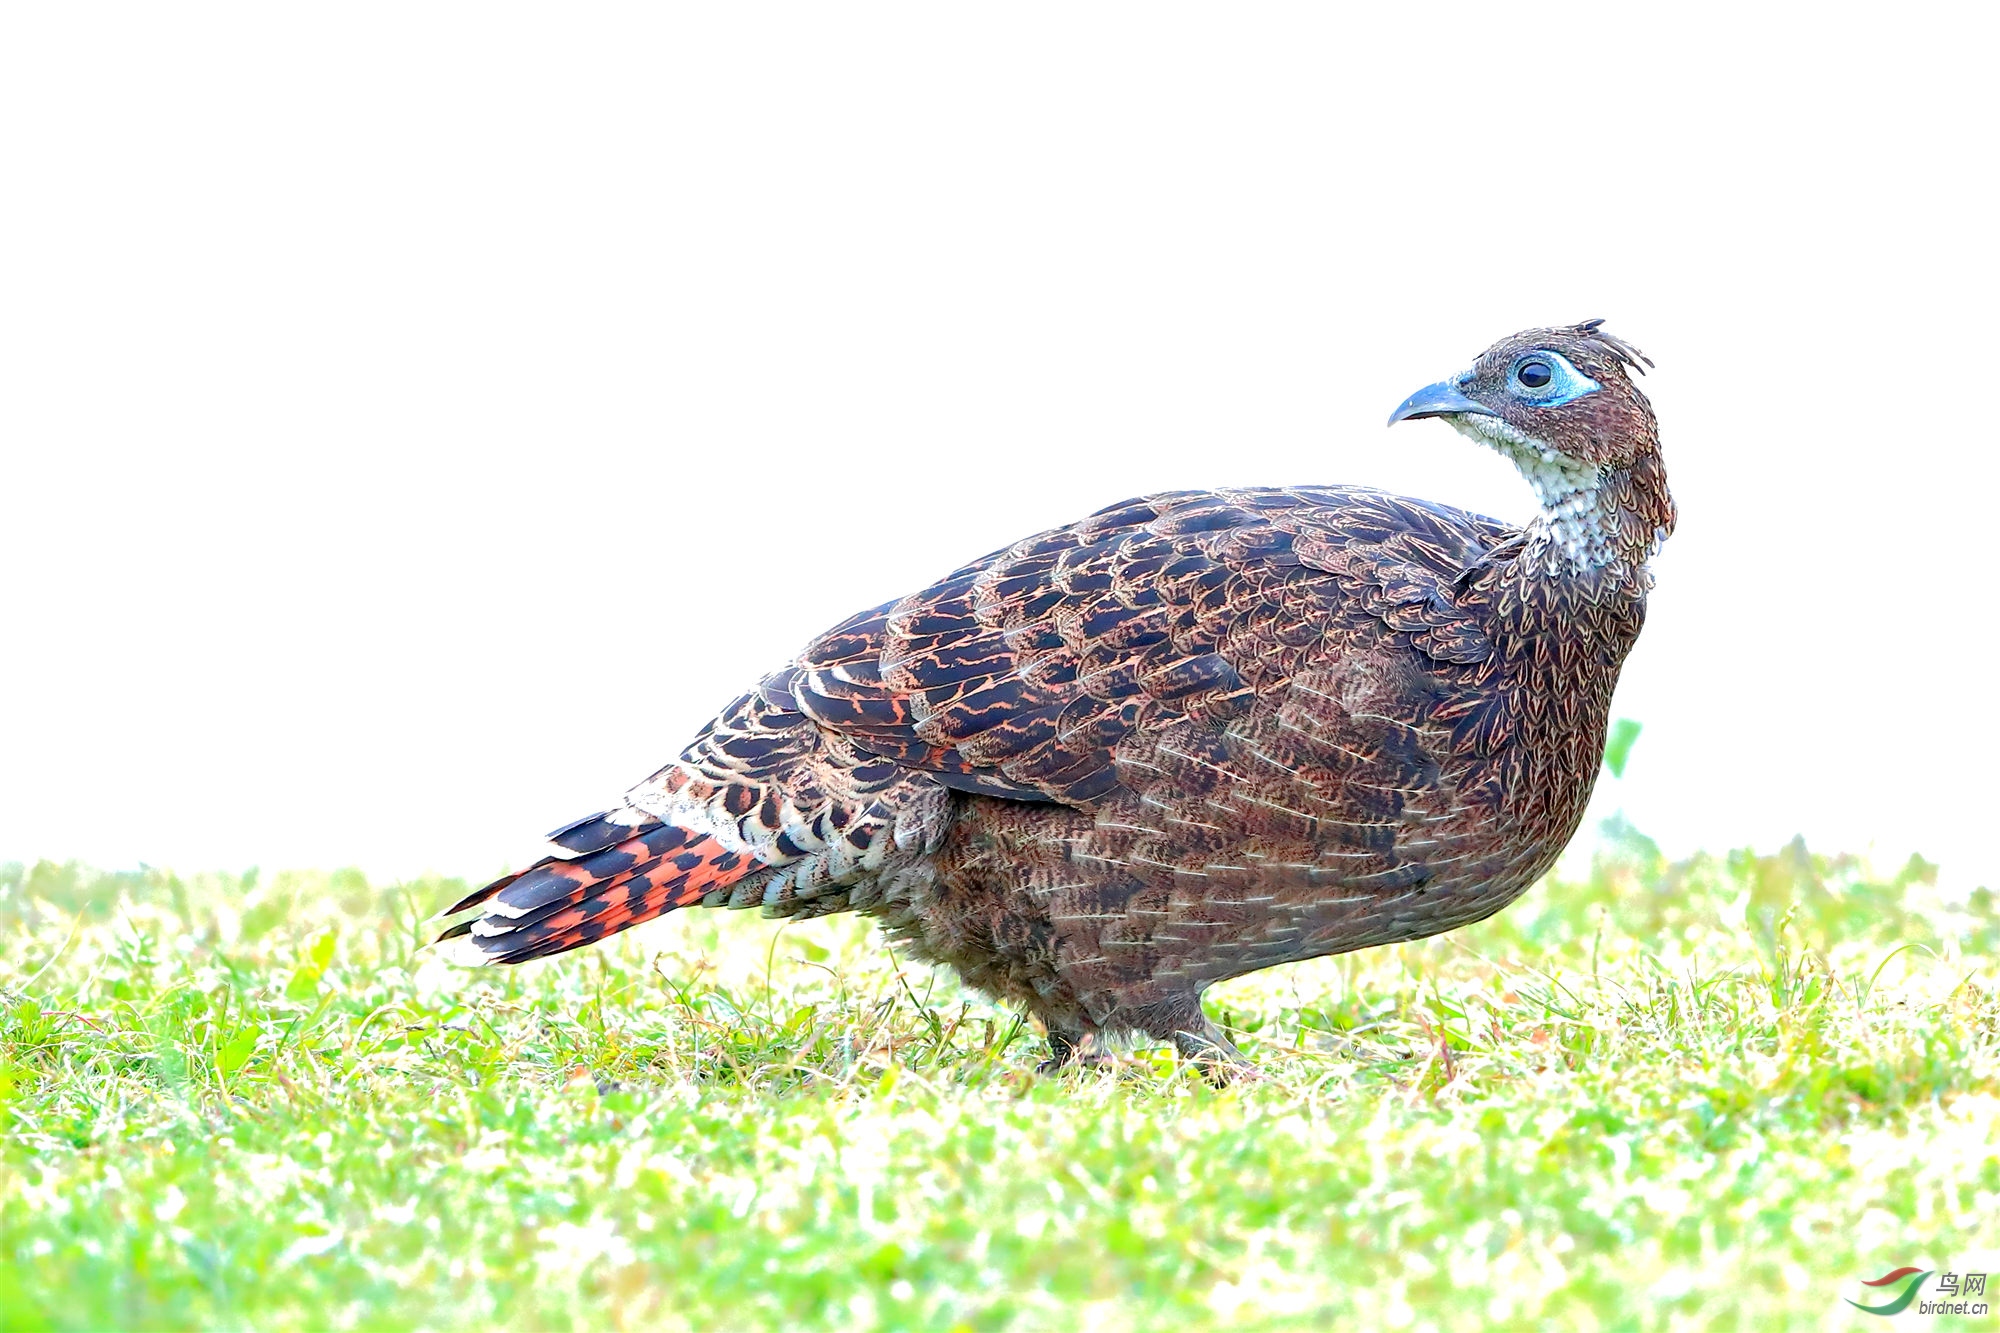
x: 1194, y: 735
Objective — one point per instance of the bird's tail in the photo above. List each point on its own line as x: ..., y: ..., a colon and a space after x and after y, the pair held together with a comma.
x: 606, y: 877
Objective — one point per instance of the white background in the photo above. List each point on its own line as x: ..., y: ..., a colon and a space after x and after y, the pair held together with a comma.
x: 416, y: 420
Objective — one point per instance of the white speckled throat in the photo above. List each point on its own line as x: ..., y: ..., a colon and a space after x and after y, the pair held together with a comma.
x: 1579, y: 516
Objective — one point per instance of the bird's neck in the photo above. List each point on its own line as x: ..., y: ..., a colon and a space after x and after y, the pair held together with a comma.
x: 1598, y: 525
x: 1567, y: 609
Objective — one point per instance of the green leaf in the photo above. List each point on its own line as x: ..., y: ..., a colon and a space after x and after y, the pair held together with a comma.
x: 34, y: 1028
x: 1618, y: 746
x: 236, y: 1052
x: 884, y: 1262
x: 305, y: 982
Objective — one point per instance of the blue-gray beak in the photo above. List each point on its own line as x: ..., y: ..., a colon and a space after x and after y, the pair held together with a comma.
x: 1437, y: 400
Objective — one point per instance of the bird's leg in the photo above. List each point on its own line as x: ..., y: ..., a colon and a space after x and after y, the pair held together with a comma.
x: 1061, y: 1051
x: 1209, y: 1050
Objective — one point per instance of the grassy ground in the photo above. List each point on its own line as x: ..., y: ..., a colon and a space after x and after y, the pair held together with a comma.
x: 1713, y: 1094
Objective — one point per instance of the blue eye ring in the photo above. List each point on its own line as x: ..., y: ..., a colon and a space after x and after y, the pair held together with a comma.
x: 1547, y: 379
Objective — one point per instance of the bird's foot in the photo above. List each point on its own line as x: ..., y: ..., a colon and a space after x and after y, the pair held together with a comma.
x: 1055, y: 1066
x: 1083, y: 1052
x: 1208, y: 1050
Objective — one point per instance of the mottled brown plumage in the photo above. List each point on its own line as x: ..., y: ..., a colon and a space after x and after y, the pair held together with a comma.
x: 1194, y: 735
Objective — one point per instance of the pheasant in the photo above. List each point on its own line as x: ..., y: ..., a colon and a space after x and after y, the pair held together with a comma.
x: 1194, y: 735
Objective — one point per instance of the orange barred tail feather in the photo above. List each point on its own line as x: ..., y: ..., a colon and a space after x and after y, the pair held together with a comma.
x: 557, y: 905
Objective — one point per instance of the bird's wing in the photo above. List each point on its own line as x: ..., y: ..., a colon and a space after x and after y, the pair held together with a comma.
x: 1020, y: 674
x: 1017, y: 676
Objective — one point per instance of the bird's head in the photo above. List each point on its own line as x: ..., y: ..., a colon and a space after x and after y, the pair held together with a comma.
x: 1562, y: 405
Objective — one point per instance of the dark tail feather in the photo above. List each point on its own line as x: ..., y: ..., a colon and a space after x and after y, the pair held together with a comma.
x: 593, y: 833
x: 557, y: 905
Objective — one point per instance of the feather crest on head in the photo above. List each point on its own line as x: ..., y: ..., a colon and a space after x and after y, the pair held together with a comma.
x: 1592, y: 332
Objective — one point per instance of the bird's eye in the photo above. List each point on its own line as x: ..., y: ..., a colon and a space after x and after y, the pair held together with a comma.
x: 1544, y: 378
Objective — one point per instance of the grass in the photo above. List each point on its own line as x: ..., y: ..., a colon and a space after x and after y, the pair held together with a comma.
x: 1708, y: 1094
